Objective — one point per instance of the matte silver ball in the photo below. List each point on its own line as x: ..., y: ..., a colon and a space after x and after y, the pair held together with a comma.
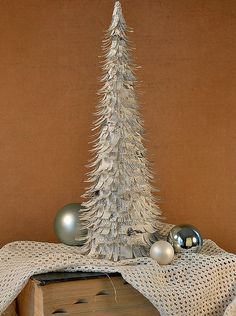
x: 67, y: 225
x: 162, y: 252
x: 185, y: 238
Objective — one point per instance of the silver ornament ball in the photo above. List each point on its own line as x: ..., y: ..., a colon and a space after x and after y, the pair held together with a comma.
x: 162, y: 252
x: 67, y: 225
x: 185, y: 238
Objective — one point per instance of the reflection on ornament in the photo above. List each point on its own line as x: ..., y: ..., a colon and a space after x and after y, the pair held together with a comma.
x: 68, y: 220
x: 162, y: 252
x: 185, y: 238
x: 67, y: 225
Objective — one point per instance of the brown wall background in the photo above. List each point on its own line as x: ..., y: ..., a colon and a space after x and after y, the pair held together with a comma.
x: 48, y: 81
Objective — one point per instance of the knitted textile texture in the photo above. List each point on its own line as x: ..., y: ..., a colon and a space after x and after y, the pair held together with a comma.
x: 192, y: 285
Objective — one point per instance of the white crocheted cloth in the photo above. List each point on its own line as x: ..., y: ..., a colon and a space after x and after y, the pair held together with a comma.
x: 193, y: 285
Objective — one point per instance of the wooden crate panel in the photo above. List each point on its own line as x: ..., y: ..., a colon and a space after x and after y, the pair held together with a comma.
x: 91, y: 297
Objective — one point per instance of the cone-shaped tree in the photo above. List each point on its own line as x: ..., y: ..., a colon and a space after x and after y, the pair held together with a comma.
x: 120, y: 213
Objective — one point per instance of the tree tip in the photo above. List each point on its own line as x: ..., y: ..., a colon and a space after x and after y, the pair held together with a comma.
x: 117, y: 3
x: 117, y: 7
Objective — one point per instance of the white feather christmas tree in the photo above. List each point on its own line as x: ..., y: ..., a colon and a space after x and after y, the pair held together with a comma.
x: 120, y: 213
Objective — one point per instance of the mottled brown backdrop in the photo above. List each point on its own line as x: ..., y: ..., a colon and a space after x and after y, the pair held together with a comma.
x: 49, y: 71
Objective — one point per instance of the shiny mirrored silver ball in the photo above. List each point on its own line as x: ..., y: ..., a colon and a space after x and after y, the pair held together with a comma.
x: 67, y: 225
x: 185, y: 238
x: 162, y: 252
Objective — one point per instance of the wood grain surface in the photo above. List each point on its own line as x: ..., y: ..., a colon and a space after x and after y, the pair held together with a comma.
x: 96, y: 297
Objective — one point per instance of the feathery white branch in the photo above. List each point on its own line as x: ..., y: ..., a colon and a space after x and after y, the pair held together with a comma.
x: 120, y: 214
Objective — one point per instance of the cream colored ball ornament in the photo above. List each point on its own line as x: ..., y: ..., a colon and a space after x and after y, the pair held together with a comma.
x: 162, y: 252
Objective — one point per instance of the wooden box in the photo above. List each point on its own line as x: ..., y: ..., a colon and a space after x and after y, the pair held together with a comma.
x: 76, y: 294
x: 11, y: 310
